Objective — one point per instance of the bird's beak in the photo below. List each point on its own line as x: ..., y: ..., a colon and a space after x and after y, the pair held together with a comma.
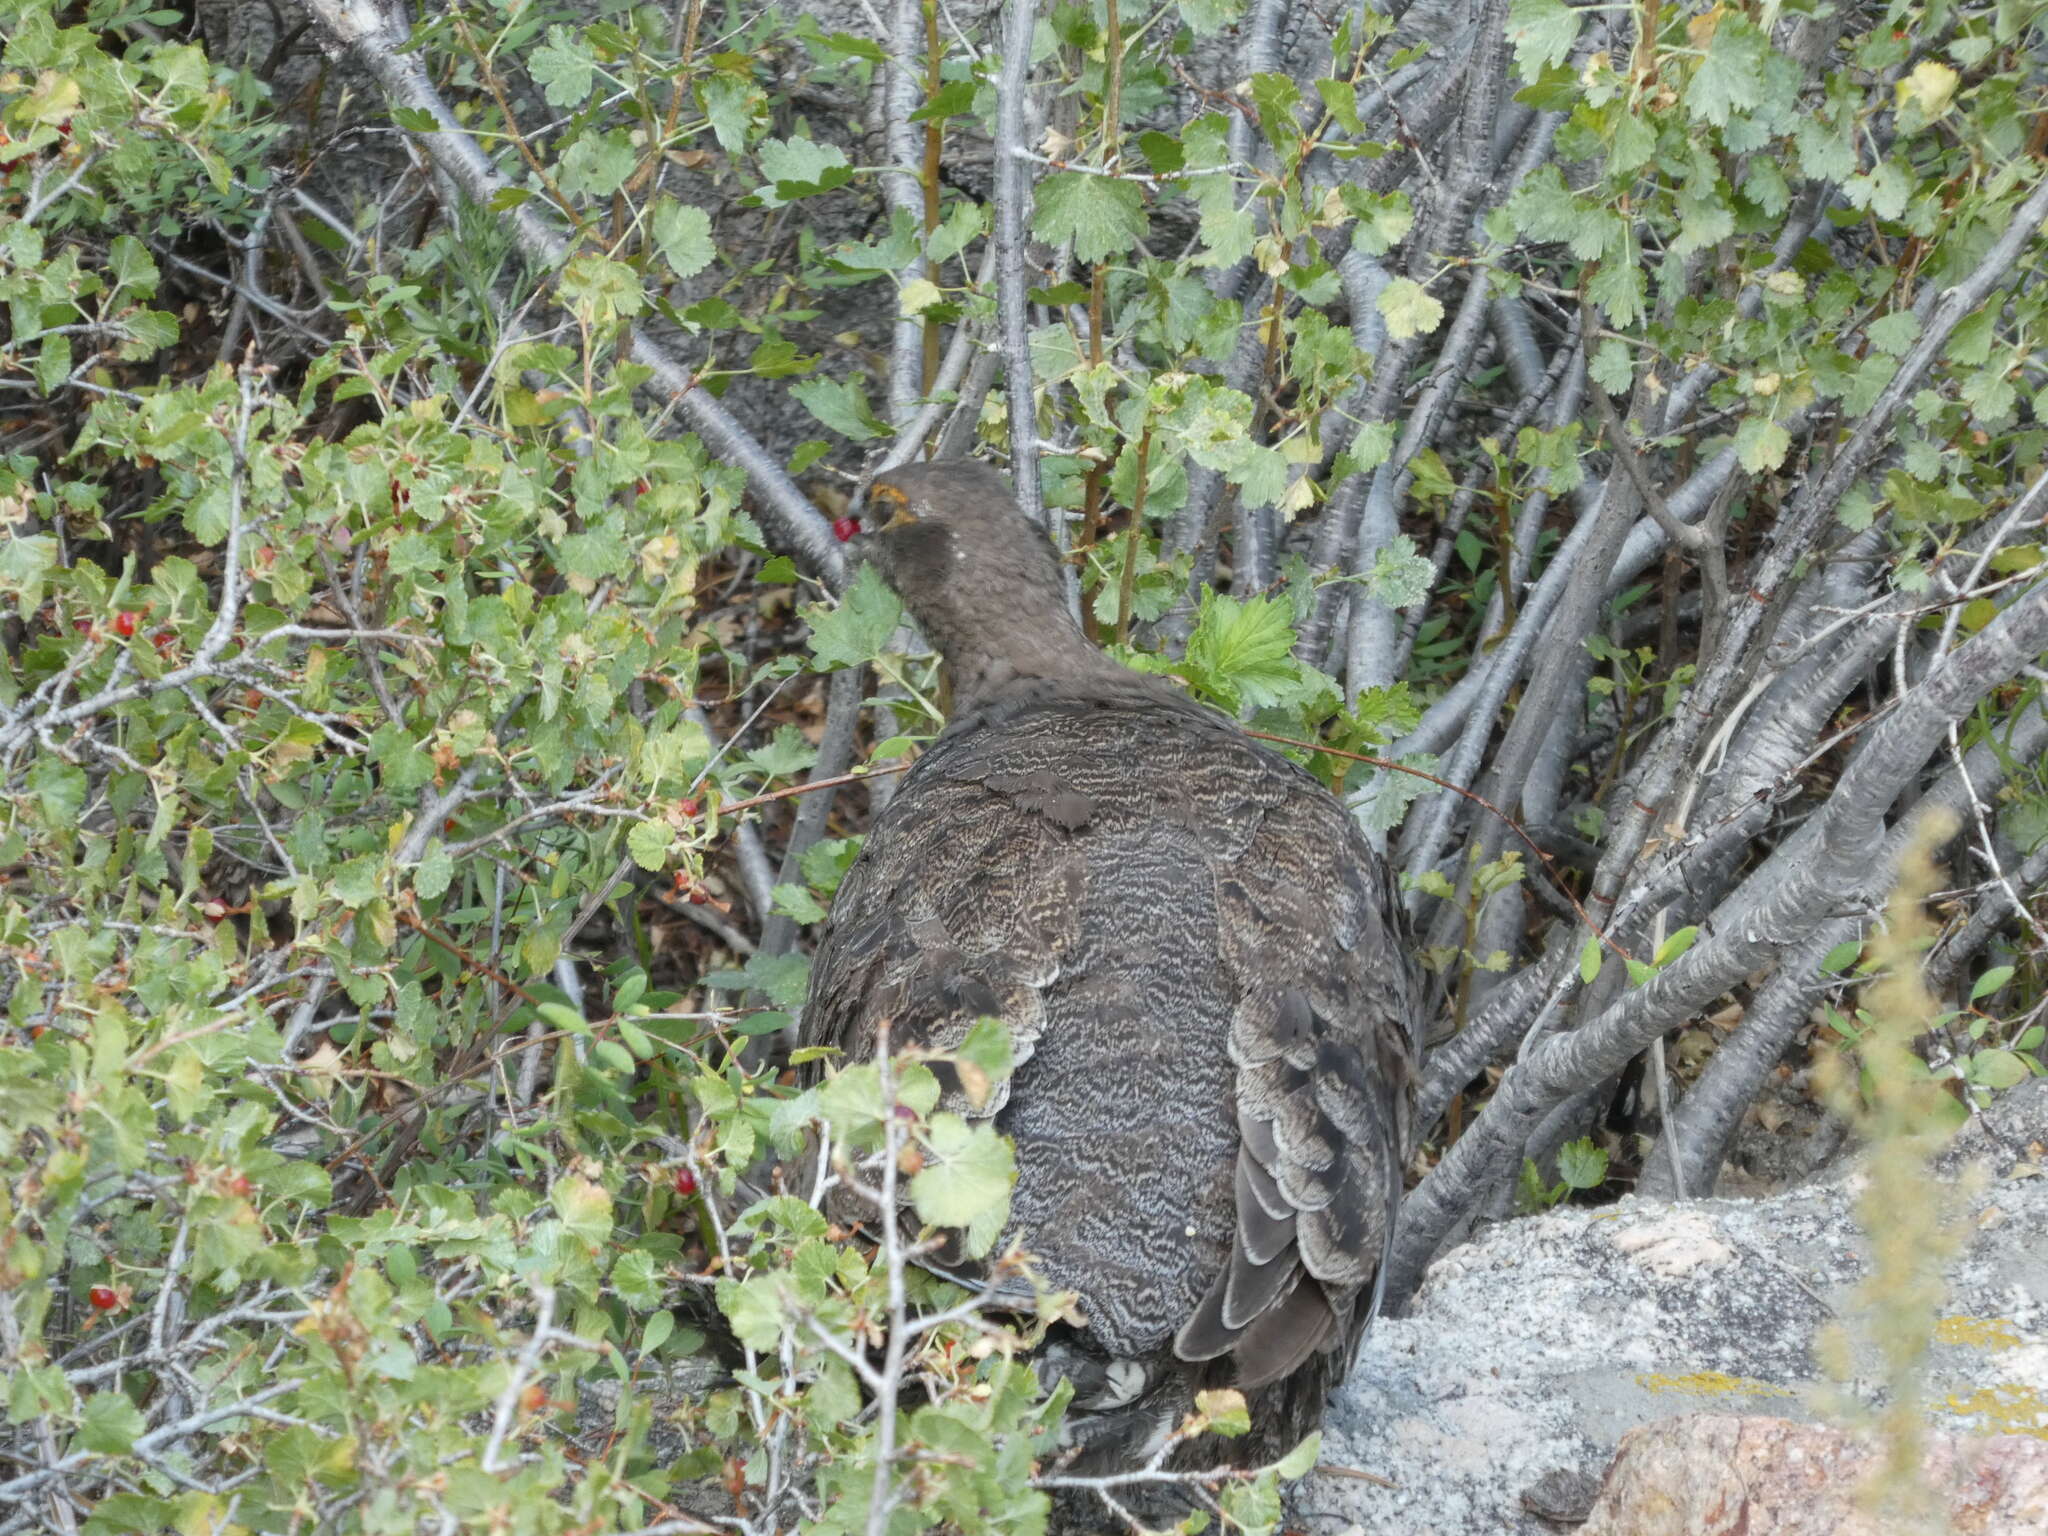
x: 889, y: 496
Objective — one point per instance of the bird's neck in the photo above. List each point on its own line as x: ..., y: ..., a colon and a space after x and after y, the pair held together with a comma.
x: 984, y: 659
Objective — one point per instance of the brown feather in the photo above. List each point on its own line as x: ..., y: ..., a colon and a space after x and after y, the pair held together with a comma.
x: 1203, y: 968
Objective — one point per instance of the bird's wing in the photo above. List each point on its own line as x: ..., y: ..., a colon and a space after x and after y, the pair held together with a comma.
x: 1017, y: 873
x: 1322, y: 1043
x: 1028, y: 870
x: 951, y: 914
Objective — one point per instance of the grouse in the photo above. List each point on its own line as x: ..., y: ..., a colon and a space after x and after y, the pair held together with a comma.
x: 1200, y: 961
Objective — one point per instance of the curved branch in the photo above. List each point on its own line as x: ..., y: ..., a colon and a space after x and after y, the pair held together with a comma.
x: 376, y: 41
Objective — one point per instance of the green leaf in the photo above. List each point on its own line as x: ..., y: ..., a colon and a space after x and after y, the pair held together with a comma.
x: 1612, y: 368
x: 826, y: 861
x: 1543, y: 32
x: 1276, y: 98
x: 563, y: 68
x: 1883, y: 190
x: 1675, y: 946
x: 754, y: 1308
x: 648, y: 843
x: 59, y: 787
x: 1635, y: 144
x: 601, y: 290
x: 729, y: 104
x: 950, y: 100
x: 1383, y: 221
x: 1243, y: 652
x: 563, y: 1017
x: 431, y: 878
x: 1581, y: 1165
x: 1841, y: 957
x: 800, y: 168
x: 966, y: 1181
x: 110, y: 1424
x: 1731, y: 77
x: 1299, y: 1461
x: 356, y: 883
x: 661, y: 1324
x: 634, y: 1279
x: 1408, y: 309
x: 597, y: 165
x: 842, y: 405
x: 856, y: 630
x: 1530, y: 1193
x: 983, y: 1060
x: 796, y: 903
x: 1340, y: 100
x: 785, y: 754
x: 1401, y: 575
x: 1589, y: 959
x: 25, y: 563
x: 1991, y: 981
x: 782, y: 979
x: 1206, y: 16
x: 682, y: 232
x: 1998, y: 1069
x: 1618, y: 288
x: 1102, y: 215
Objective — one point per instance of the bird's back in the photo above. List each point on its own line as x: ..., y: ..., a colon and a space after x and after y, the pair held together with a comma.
x: 1158, y: 907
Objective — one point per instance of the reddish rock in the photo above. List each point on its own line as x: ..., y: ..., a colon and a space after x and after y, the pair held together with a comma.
x: 1720, y: 1475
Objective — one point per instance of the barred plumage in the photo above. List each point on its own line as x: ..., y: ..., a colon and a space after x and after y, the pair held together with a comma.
x: 1201, y: 962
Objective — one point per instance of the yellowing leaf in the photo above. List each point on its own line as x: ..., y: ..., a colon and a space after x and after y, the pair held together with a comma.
x: 1761, y: 445
x: 1931, y: 87
x: 584, y: 1207
x: 1225, y: 1410
x: 917, y: 296
x: 1408, y: 309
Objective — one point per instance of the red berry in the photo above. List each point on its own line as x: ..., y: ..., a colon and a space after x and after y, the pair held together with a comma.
x: 697, y: 896
x: 686, y: 1183
x: 844, y: 528
x: 124, y: 623
x: 103, y: 1297
x: 691, y: 808
x: 238, y: 1185
x: 214, y: 910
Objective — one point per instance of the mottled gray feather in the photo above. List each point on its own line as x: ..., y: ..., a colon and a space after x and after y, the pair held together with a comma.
x: 1200, y: 960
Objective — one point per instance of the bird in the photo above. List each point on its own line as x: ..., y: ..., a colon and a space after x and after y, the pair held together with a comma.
x: 1202, y: 965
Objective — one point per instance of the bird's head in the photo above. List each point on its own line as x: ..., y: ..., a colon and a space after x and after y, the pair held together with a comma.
x: 955, y: 546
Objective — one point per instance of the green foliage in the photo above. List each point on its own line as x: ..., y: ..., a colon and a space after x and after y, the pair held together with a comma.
x: 378, y: 1132
x: 1580, y: 1166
